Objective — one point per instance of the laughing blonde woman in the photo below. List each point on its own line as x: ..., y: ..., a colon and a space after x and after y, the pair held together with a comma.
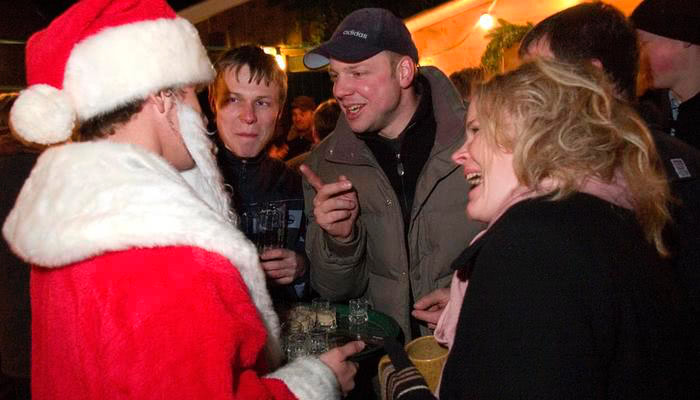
x: 568, y: 294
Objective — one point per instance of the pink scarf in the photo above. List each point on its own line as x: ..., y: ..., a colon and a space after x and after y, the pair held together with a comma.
x: 615, y: 192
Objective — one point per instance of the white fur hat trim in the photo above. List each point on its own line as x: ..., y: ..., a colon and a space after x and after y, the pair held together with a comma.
x: 128, y: 62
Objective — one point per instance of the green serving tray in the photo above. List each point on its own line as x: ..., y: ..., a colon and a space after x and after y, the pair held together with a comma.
x: 379, y: 326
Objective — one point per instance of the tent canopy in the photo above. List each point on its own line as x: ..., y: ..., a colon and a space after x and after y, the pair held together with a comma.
x: 448, y: 37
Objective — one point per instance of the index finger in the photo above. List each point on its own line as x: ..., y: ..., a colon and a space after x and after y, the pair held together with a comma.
x: 278, y: 252
x: 425, y: 302
x: 426, y: 316
x: 351, y: 348
x: 436, y: 297
x: 314, y: 180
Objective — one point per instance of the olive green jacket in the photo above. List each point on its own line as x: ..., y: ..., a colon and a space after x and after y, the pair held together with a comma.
x: 376, y: 264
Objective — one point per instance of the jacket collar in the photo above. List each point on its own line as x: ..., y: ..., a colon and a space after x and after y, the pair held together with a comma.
x: 229, y: 158
x: 345, y: 147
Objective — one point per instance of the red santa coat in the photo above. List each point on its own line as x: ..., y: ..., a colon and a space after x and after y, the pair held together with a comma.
x: 135, y: 293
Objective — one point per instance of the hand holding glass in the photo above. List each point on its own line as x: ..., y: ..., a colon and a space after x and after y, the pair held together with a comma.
x: 266, y: 225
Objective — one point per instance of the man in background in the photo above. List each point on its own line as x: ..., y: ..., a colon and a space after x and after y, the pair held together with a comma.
x: 465, y: 80
x: 325, y: 118
x: 300, y: 137
x: 670, y: 39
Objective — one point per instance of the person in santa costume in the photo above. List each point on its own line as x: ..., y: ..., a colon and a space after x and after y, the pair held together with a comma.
x: 141, y: 286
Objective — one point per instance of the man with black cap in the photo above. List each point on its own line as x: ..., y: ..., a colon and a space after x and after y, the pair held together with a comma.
x: 385, y: 202
x: 670, y: 38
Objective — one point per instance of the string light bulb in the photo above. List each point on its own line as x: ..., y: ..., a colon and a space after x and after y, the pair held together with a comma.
x: 281, y: 61
x: 486, y: 21
x: 279, y: 58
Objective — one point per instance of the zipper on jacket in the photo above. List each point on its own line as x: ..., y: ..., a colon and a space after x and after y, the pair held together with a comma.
x: 243, y: 176
x: 399, y: 165
x: 400, y: 170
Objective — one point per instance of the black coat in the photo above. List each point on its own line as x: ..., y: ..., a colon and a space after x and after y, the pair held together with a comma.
x: 681, y: 162
x: 263, y: 179
x: 655, y: 106
x: 566, y: 300
x: 682, y: 166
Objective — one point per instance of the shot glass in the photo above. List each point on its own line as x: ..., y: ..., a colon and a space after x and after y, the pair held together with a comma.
x: 358, y: 314
x: 287, y: 329
x: 325, y: 314
x: 297, y: 346
x: 358, y: 330
x: 318, y: 341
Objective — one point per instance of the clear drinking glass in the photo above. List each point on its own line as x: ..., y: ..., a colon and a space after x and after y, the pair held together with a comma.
x: 266, y: 225
x: 357, y: 313
x: 297, y: 346
x: 318, y: 341
x: 325, y: 313
x: 286, y: 330
x: 358, y: 330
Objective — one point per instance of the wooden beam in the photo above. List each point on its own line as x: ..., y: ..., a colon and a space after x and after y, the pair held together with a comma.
x: 204, y: 10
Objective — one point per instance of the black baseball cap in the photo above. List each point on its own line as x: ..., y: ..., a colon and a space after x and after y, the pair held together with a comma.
x: 363, y: 34
x: 674, y: 19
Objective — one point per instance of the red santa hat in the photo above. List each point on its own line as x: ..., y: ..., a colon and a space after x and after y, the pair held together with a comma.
x: 100, y: 55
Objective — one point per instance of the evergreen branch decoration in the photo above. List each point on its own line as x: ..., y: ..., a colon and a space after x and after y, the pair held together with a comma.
x: 501, y: 38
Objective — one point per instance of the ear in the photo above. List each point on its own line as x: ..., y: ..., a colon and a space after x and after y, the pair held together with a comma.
x: 406, y: 71
x: 163, y: 100
x: 596, y: 63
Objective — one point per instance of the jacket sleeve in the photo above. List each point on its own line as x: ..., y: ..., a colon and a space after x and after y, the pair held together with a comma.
x: 175, y: 323
x: 401, y: 380
x: 338, y: 270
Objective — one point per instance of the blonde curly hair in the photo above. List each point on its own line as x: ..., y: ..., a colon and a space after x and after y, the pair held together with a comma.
x: 563, y: 124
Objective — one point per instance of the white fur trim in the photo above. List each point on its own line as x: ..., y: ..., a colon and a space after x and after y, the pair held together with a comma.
x: 129, y: 62
x: 309, y: 379
x: 84, y: 199
x: 43, y: 114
